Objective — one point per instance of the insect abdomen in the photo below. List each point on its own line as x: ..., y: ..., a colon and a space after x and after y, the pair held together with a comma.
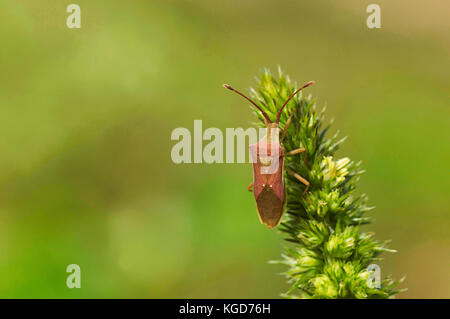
x: 270, y: 207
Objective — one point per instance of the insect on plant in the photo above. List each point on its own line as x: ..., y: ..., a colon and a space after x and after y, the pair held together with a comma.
x: 267, y: 157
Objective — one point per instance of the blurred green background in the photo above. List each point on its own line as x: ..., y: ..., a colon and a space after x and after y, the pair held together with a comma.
x: 86, y: 117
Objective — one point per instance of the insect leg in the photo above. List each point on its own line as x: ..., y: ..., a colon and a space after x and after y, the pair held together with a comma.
x: 301, y: 179
x: 296, y: 151
x: 299, y: 150
x: 250, y: 187
x: 288, y: 122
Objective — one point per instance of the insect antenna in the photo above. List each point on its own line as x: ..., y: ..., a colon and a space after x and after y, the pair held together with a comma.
x: 250, y: 100
x: 304, y: 86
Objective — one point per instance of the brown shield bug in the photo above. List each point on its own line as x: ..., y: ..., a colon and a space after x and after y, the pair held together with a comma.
x: 267, y: 157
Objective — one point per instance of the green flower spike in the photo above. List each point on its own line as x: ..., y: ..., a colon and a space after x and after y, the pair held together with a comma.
x: 329, y: 255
